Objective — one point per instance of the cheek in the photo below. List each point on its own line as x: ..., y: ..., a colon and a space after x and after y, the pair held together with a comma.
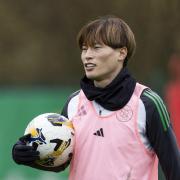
x: 110, y: 64
x: 108, y: 57
x: 103, y: 66
x: 108, y: 60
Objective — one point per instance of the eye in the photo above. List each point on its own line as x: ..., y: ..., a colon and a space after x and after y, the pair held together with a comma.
x: 84, y: 48
x: 97, y: 46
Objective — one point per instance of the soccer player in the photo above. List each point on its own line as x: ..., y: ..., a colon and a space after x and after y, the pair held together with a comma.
x: 122, y: 128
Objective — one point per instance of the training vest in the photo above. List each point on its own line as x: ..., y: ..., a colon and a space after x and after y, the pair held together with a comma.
x: 109, y: 147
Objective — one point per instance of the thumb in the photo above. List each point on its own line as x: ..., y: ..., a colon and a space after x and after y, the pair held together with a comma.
x: 25, y: 138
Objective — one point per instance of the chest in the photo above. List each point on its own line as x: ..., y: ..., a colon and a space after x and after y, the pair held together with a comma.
x: 116, y: 128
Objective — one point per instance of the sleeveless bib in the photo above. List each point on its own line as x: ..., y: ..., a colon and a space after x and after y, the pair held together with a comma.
x: 109, y: 147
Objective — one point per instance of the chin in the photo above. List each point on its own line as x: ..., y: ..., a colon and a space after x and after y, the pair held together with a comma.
x: 91, y: 76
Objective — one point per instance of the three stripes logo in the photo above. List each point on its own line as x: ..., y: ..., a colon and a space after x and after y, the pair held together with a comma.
x: 164, y: 116
x: 99, y: 132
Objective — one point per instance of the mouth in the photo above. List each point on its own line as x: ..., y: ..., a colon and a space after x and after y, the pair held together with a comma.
x: 89, y: 66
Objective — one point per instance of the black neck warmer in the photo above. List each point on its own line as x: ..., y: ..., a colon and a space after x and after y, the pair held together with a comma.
x: 115, y: 95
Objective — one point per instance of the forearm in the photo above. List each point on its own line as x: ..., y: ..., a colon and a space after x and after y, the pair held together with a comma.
x: 168, y: 154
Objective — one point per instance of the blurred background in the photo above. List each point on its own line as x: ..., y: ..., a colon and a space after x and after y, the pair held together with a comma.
x: 40, y: 61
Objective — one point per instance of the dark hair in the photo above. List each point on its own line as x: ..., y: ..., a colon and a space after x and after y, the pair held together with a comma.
x: 109, y: 30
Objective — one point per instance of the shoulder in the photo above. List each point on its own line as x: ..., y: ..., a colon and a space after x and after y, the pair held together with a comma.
x: 71, y: 105
x: 147, y: 100
x: 155, y: 108
x: 73, y: 96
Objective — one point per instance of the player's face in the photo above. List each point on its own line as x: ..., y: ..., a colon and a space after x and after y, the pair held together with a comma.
x: 102, y: 63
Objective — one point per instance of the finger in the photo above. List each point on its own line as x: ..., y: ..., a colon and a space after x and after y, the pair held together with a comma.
x: 26, y: 159
x: 26, y: 153
x: 21, y: 147
x: 66, y: 164
x: 25, y: 138
x: 70, y: 155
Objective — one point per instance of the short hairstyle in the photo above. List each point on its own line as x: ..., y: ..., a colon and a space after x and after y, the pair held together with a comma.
x: 109, y: 30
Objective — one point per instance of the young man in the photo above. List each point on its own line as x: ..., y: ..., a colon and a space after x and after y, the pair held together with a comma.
x: 122, y: 128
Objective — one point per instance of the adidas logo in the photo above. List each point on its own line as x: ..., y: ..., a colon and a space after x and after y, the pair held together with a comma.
x: 99, y: 132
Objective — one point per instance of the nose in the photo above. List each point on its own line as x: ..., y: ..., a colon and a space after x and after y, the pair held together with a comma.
x: 88, y: 54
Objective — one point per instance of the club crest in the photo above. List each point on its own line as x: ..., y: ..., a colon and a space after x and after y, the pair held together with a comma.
x: 125, y: 114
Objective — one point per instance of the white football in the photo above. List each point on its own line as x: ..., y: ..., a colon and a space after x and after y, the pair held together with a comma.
x: 53, y: 136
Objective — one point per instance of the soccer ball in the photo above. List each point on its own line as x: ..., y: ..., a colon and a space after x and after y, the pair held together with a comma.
x: 53, y: 136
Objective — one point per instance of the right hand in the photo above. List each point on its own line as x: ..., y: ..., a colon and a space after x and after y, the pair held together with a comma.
x: 24, y: 154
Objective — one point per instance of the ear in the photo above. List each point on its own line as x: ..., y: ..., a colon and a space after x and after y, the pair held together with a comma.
x: 122, y: 53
